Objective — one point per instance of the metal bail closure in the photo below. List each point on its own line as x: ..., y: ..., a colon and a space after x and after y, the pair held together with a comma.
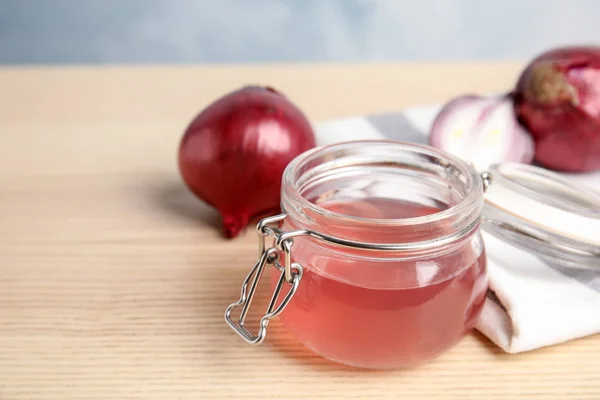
x: 291, y: 273
x: 543, y: 213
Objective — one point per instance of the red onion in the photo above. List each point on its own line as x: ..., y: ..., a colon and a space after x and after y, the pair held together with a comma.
x: 233, y: 154
x: 481, y: 130
x: 557, y: 98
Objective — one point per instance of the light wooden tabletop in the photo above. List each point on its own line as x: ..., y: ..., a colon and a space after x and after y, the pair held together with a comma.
x: 114, y: 279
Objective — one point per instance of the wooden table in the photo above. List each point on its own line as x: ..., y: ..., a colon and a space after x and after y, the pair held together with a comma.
x: 114, y: 279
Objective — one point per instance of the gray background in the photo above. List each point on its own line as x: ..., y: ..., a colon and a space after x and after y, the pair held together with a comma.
x: 203, y: 31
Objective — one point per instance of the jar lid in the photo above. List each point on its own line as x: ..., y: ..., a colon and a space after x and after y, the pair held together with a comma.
x: 544, y: 213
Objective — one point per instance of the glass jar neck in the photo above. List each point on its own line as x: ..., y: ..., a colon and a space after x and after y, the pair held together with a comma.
x: 383, y: 192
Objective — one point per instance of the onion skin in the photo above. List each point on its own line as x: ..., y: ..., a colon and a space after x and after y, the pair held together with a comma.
x: 233, y: 154
x: 557, y: 99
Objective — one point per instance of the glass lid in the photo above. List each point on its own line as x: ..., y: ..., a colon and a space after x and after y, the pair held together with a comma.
x: 542, y: 212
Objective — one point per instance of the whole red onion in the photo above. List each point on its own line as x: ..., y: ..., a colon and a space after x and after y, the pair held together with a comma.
x: 233, y: 154
x: 557, y: 98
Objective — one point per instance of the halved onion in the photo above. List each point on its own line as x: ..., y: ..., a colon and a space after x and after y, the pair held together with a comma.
x: 482, y: 130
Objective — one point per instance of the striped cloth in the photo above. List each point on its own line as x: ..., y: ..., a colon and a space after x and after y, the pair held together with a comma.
x: 530, y: 303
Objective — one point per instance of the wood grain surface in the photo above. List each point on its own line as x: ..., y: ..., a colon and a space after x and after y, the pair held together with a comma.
x: 114, y: 279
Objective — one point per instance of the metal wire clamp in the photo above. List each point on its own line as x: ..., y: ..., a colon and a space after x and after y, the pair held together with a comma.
x: 291, y: 273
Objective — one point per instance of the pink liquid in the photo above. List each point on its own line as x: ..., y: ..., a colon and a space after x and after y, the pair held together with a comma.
x: 376, y: 314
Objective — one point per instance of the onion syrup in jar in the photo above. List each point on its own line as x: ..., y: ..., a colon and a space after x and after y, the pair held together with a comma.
x: 380, y: 243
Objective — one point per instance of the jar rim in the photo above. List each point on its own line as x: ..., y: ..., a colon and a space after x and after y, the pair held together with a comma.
x: 473, y: 184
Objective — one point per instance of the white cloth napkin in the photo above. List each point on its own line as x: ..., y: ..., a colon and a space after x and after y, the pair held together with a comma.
x: 530, y: 303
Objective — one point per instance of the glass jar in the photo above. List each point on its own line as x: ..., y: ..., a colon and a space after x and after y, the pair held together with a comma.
x: 378, y: 254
